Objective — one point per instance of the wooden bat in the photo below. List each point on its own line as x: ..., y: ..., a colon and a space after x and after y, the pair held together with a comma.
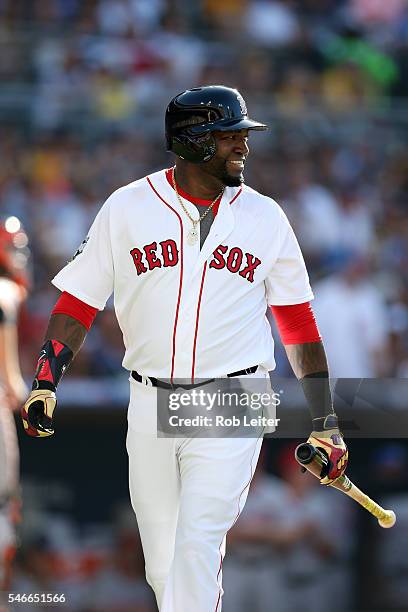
x: 317, y: 463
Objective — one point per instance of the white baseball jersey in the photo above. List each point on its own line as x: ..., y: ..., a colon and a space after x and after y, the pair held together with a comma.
x: 186, y: 312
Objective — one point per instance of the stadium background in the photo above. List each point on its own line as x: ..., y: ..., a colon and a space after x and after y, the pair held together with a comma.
x: 83, y: 87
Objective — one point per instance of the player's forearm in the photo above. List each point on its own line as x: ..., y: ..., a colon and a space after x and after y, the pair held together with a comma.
x: 63, y: 339
x: 67, y: 330
x: 310, y: 366
x: 308, y: 358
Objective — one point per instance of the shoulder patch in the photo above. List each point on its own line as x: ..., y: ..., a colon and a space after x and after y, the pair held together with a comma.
x: 79, y: 249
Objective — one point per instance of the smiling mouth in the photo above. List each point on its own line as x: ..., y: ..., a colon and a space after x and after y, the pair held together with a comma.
x: 238, y: 164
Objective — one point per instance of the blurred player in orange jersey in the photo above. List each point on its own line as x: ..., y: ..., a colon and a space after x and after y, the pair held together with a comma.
x: 13, y: 291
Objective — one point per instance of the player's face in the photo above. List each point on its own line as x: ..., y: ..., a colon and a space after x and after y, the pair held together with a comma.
x: 228, y: 163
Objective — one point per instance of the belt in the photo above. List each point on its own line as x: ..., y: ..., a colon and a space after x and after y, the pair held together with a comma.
x: 161, y: 384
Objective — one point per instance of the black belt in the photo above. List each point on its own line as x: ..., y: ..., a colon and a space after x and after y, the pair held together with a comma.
x: 161, y: 384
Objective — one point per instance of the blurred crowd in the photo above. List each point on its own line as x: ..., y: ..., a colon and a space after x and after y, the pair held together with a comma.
x: 79, y: 61
x: 98, y: 75
x: 83, y: 89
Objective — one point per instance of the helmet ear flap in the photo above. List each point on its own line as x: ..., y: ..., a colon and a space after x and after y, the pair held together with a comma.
x: 195, y: 148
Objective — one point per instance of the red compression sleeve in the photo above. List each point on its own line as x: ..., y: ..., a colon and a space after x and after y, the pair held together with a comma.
x: 73, y: 307
x: 296, y: 323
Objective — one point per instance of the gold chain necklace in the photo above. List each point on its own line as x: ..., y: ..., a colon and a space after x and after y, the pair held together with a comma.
x: 192, y: 235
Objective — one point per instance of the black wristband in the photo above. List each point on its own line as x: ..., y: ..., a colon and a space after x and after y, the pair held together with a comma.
x: 317, y: 391
x: 54, y: 358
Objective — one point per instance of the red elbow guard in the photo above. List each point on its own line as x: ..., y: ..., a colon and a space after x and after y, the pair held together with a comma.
x: 73, y: 307
x: 296, y: 323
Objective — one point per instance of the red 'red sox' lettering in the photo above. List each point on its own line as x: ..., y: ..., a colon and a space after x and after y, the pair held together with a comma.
x: 252, y: 263
x: 169, y: 253
x: 219, y: 262
x: 137, y: 260
x: 168, y: 257
x: 234, y: 260
x: 150, y: 251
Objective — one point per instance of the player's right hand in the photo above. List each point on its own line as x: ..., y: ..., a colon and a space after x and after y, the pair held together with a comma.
x: 332, y: 444
x: 37, y: 413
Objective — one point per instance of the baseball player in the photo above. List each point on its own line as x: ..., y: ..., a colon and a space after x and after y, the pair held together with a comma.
x: 13, y: 284
x: 193, y: 257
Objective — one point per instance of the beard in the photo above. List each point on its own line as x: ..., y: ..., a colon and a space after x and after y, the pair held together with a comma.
x: 220, y: 172
x: 232, y: 181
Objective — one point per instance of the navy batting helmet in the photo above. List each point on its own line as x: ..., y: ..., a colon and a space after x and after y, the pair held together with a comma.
x: 194, y: 114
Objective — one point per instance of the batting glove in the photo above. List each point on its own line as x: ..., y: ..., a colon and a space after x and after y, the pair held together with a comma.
x: 331, y: 443
x: 37, y: 413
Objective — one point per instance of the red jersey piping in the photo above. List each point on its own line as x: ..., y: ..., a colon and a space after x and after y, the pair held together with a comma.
x: 180, y: 281
x: 197, y: 320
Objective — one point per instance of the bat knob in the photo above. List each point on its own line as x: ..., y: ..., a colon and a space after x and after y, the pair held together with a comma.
x: 389, y: 520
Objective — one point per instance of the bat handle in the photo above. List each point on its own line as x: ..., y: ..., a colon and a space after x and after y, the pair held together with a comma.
x: 312, y: 459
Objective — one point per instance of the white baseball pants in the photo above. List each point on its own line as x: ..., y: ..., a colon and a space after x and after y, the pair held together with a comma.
x: 187, y: 494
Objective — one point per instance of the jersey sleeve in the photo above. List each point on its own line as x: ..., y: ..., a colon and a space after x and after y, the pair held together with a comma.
x: 89, y: 276
x: 288, y: 281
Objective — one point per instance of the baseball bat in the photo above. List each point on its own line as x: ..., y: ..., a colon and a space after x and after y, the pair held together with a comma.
x: 317, y: 463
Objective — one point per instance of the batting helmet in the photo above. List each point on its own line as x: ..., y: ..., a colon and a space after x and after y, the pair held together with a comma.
x: 194, y: 114
x: 14, y: 251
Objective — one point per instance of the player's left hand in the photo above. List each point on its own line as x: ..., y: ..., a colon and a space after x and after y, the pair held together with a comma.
x: 331, y: 442
x: 37, y: 413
